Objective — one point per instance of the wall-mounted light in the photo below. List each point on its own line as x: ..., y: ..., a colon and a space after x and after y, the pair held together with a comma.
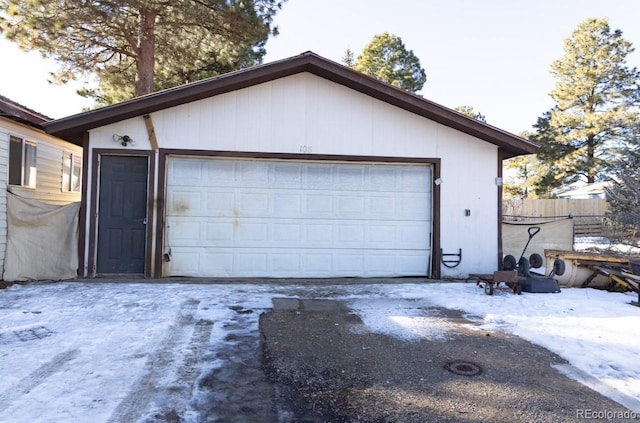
x: 124, y: 140
x: 438, y: 181
x: 499, y: 181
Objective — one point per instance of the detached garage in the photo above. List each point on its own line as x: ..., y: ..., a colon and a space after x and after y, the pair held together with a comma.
x: 298, y: 168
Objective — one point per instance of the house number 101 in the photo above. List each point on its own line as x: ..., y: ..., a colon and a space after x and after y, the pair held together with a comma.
x: 306, y: 149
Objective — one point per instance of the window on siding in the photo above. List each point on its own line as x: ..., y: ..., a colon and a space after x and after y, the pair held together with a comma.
x: 71, y: 172
x: 22, y: 162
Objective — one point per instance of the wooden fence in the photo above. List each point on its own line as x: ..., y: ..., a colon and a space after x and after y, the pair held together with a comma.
x: 588, y: 214
x: 555, y: 208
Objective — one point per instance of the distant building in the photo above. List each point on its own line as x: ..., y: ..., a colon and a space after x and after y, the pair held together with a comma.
x: 596, y: 190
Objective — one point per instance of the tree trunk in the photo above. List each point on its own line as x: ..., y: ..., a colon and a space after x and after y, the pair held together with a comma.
x: 146, y: 52
x: 591, y: 171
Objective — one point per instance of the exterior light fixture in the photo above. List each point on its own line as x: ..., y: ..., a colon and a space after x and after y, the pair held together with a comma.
x: 124, y: 140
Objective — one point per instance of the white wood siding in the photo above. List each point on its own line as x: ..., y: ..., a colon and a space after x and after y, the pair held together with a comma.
x: 306, y: 113
x: 4, y: 176
x: 49, y: 154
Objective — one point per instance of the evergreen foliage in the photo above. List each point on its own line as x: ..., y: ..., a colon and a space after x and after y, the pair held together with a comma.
x: 135, y: 47
x: 469, y: 111
x: 624, y: 195
x: 387, y: 59
x: 596, y: 101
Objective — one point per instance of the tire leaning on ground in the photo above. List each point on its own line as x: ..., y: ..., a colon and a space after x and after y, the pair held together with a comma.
x: 509, y: 262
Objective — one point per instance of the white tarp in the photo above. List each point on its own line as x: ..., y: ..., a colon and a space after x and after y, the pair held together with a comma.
x: 42, y: 240
x: 554, y: 235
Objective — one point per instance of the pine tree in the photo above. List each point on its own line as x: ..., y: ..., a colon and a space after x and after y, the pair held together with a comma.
x: 135, y: 47
x: 624, y: 194
x: 469, y: 111
x: 349, y: 58
x: 387, y: 59
x: 522, y: 174
x: 596, y: 96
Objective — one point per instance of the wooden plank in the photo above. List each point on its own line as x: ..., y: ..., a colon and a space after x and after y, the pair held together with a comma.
x: 587, y: 256
x: 151, y: 131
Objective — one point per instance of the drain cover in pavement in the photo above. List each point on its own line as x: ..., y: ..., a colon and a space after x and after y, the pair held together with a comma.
x: 463, y: 368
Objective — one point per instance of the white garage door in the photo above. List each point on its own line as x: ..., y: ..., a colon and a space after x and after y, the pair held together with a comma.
x: 284, y: 218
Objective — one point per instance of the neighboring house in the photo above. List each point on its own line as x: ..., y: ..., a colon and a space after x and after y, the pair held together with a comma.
x: 34, y: 165
x: 297, y: 168
x: 595, y: 190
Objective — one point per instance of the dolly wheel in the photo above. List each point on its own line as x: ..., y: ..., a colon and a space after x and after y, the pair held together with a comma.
x: 524, y: 267
x: 535, y: 260
x: 559, y: 267
x: 488, y: 288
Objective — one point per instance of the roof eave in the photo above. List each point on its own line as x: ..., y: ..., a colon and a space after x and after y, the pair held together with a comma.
x: 18, y: 113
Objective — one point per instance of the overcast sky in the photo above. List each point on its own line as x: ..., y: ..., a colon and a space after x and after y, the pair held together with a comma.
x: 494, y: 55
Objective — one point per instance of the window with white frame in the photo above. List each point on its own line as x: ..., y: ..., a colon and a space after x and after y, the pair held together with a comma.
x: 71, y: 172
x: 22, y: 162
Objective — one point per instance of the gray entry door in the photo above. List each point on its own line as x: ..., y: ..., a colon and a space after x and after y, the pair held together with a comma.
x: 122, y: 214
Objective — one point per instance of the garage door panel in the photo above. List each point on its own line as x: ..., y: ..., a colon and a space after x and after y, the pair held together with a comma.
x: 381, y: 207
x: 252, y: 263
x: 186, y: 261
x: 252, y: 233
x: 351, y: 235
x: 253, y: 204
x: 185, y: 174
x: 318, y: 233
x: 247, y: 262
x: 410, y: 262
x: 223, y: 172
x: 415, y: 180
x: 287, y: 175
x: 287, y: 205
x: 286, y: 263
x: 383, y: 178
x: 320, y: 205
x: 287, y: 232
x: 186, y: 231
x: 217, y: 263
x: 254, y: 173
x: 216, y: 233
x: 291, y: 233
x: 319, y: 177
x: 351, y: 177
x: 219, y: 203
x: 350, y: 264
x: 184, y: 202
x: 265, y: 218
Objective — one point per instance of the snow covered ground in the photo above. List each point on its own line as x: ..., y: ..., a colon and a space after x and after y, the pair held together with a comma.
x: 596, y: 243
x: 77, y: 352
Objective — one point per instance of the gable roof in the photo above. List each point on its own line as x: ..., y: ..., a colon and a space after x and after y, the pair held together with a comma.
x: 19, y: 113
x: 72, y: 127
